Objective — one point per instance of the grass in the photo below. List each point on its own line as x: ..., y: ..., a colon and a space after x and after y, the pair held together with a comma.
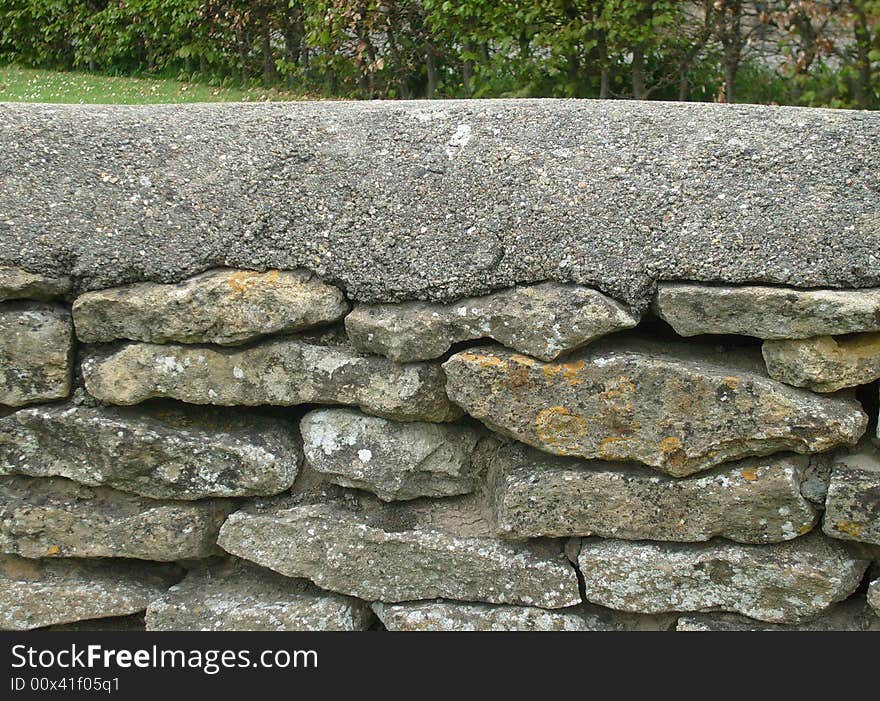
x: 33, y: 85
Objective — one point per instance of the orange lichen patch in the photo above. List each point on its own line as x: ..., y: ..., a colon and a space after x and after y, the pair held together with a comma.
x: 750, y: 474
x: 245, y: 280
x: 570, y: 371
x: 486, y: 361
x: 670, y: 444
x: 851, y: 528
x: 519, y: 377
x: 557, y: 425
x: 731, y: 382
x: 52, y: 550
x: 523, y: 360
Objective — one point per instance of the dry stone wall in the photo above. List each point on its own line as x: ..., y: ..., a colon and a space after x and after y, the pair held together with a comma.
x: 248, y: 450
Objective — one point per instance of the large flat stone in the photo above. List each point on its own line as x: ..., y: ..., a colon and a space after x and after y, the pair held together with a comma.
x: 753, y: 501
x: 542, y: 320
x: 237, y: 596
x: 36, y: 352
x: 852, y: 615
x: 852, y: 507
x: 680, y: 408
x: 281, y: 372
x: 824, y: 363
x: 423, y: 199
x: 227, y: 307
x: 16, y: 283
x: 766, y: 312
x: 405, y: 551
x: 54, y: 517
x: 458, y: 616
x: 392, y: 459
x: 779, y: 583
x: 162, y: 452
x: 37, y: 593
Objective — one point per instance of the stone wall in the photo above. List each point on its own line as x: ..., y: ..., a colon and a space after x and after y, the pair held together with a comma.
x: 506, y: 364
x: 254, y: 450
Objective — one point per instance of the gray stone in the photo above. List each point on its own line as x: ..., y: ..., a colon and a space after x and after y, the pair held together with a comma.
x: 134, y: 622
x: 54, y: 517
x: 766, y: 312
x: 852, y: 615
x: 281, y: 372
x: 394, y: 460
x: 779, y: 583
x: 754, y: 501
x: 814, y: 485
x: 163, y: 452
x: 458, y: 616
x: 426, y: 549
x: 36, y: 352
x: 422, y: 199
x: 38, y: 593
x: 658, y: 404
x: 16, y: 283
x: 824, y: 363
x: 227, y: 307
x: 852, y: 507
x: 542, y: 320
x: 240, y: 597
x: 874, y: 596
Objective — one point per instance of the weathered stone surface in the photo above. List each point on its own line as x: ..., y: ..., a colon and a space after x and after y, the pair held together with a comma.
x: 814, y: 485
x: 753, y: 501
x: 16, y: 283
x: 411, y: 199
x: 766, y: 312
x: 426, y: 549
x: 680, y: 408
x: 239, y: 596
x: 281, y: 372
x: 852, y: 507
x: 458, y: 616
x: 874, y: 596
x: 54, y: 517
x: 37, y: 593
x: 224, y: 306
x: 392, y: 459
x: 133, y: 622
x: 542, y: 320
x: 779, y: 583
x: 163, y: 452
x: 853, y: 615
x: 36, y: 352
x: 824, y: 363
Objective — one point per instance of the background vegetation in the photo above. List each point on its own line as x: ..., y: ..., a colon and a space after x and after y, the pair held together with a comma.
x: 820, y: 53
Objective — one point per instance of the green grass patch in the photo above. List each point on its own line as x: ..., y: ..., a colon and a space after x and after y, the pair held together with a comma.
x: 33, y: 85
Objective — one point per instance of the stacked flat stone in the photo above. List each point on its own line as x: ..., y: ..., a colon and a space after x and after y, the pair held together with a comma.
x: 530, y: 459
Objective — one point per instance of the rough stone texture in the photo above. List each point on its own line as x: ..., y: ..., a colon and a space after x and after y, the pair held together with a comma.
x: 393, y: 460
x: 37, y: 593
x: 240, y: 597
x: 55, y: 517
x: 874, y: 596
x: 163, y: 452
x: 444, y: 200
x: 766, y: 312
x: 824, y: 363
x: 356, y: 545
x: 659, y: 404
x: 852, y: 507
x: 134, y: 622
x: 542, y: 320
x: 36, y: 352
x: 814, y: 485
x: 226, y: 307
x: 16, y: 283
x: 281, y: 372
x: 457, y: 616
x: 851, y: 615
x: 779, y: 583
x: 754, y: 501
